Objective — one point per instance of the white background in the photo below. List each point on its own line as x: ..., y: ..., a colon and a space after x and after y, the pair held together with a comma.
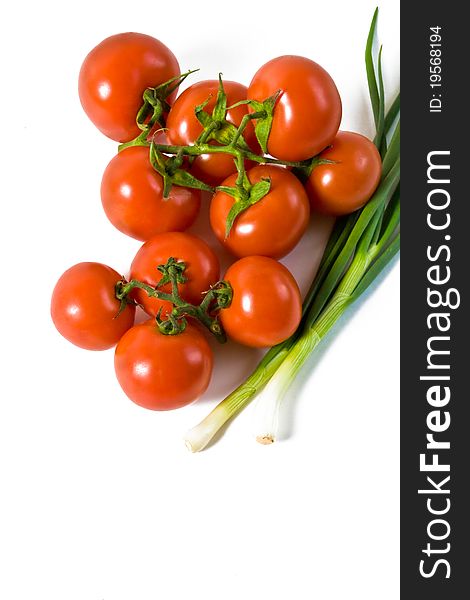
x: 99, y: 498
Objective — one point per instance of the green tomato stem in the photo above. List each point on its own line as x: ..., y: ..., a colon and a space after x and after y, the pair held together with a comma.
x: 229, y: 149
x: 140, y: 140
x: 244, y: 122
x: 207, y: 133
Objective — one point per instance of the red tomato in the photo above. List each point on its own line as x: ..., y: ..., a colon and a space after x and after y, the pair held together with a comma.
x: 162, y: 372
x: 272, y: 226
x: 84, y: 307
x: 308, y: 111
x: 266, y: 306
x: 202, y: 268
x: 345, y: 186
x: 184, y: 128
x: 114, y: 76
x: 132, y: 197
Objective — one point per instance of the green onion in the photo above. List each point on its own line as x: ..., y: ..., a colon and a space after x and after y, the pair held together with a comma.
x: 370, y: 70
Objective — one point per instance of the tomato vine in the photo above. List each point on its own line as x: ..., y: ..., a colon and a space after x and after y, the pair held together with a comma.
x: 217, y: 297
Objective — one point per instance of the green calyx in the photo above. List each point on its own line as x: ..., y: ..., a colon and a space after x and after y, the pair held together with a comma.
x: 216, y: 126
x: 263, y: 125
x: 219, y: 296
x: 155, y: 105
x: 122, y: 295
x: 263, y: 114
x: 245, y: 195
x: 304, y: 171
x: 154, y: 108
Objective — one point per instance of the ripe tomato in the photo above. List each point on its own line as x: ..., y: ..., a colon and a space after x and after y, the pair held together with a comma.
x: 345, y: 186
x: 184, y: 128
x: 84, y: 307
x: 202, y: 268
x: 266, y: 306
x: 114, y: 76
x: 272, y: 226
x: 132, y: 197
x: 162, y: 372
x: 308, y: 111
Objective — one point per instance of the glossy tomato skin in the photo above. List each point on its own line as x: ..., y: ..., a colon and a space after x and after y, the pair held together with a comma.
x: 266, y: 306
x: 271, y: 227
x: 84, y: 307
x: 132, y: 197
x: 184, y: 128
x: 346, y: 185
x: 163, y: 372
x: 202, y: 268
x: 308, y: 111
x: 114, y: 76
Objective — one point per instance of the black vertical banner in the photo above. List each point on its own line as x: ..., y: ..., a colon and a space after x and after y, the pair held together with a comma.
x: 435, y: 257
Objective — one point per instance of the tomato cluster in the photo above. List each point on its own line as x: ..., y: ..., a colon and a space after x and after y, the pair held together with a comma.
x: 270, y: 154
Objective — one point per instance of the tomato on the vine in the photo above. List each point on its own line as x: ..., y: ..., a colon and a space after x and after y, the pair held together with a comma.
x: 162, y: 372
x: 266, y: 305
x: 84, y: 307
x: 132, y: 197
x: 272, y: 226
x: 115, y: 74
x: 184, y: 127
x: 307, y: 113
x: 202, y: 268
x: 346, y: 184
